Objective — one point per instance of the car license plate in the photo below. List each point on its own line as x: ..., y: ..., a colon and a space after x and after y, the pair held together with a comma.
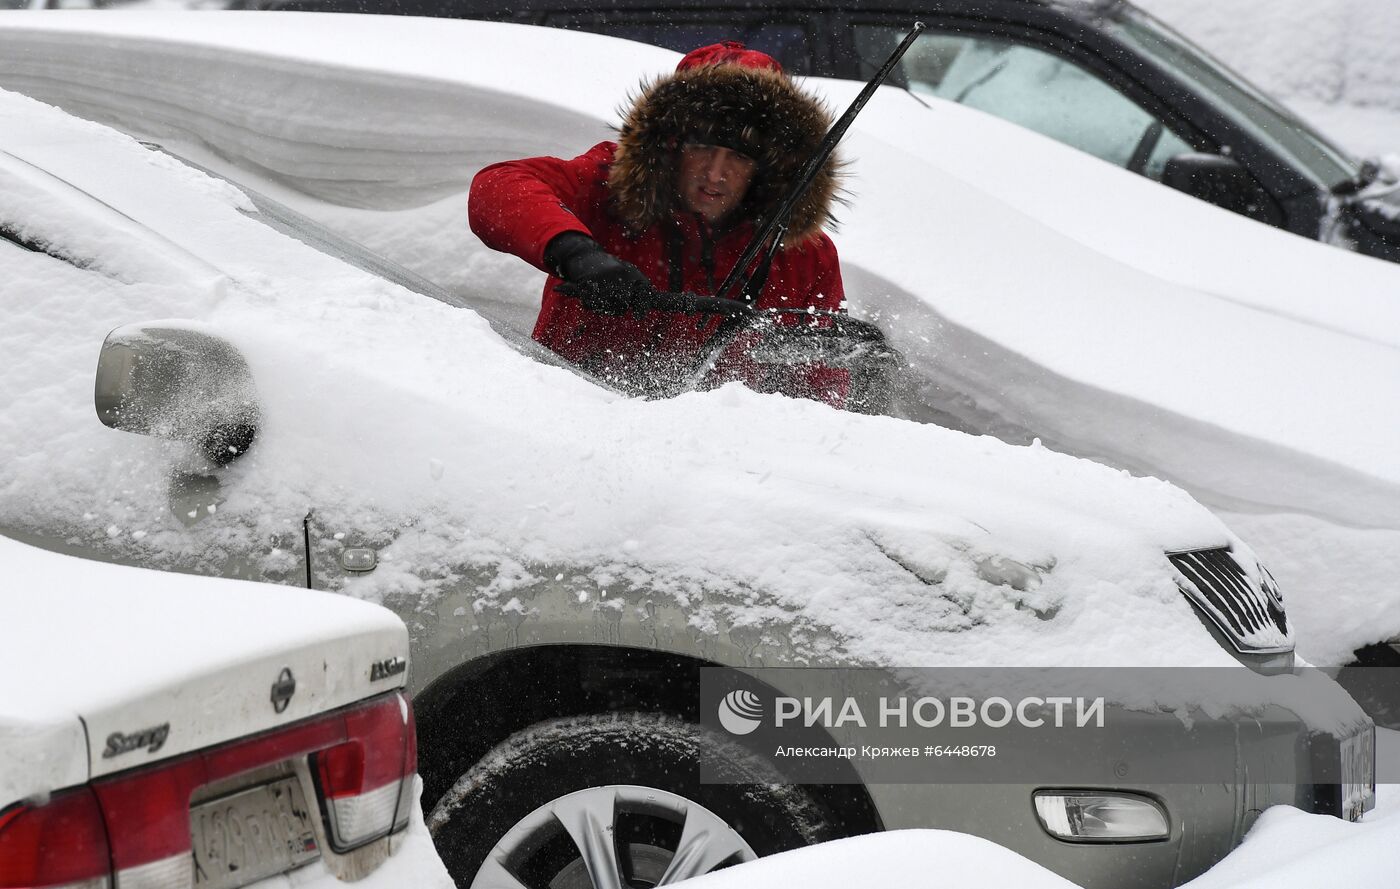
x: 1358, y: 774
x: 251, y: 834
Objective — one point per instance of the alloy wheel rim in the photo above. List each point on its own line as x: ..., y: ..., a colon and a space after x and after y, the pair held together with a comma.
x: 589, y: 819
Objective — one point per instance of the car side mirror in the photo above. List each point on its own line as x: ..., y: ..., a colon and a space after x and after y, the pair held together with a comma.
x: 181, y: 383
x: 1214, y: 178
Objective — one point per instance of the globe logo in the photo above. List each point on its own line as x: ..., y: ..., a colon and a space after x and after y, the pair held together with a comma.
x: 740, y: 712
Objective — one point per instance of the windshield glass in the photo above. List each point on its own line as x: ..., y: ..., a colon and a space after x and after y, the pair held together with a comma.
x: 1264, y: 118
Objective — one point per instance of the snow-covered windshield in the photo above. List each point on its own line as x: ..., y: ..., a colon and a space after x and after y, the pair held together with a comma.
x: 284, y: 219
x: 1267, y: 120
x: 289, y: 222
x: 855, y: 347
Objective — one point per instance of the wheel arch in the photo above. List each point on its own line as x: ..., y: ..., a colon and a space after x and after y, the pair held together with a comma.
x: 468, y: 710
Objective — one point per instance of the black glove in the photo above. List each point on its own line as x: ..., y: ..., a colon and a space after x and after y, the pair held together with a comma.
x: 602, y: 282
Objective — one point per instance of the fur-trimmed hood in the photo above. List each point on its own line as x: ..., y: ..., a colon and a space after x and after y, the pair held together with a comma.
x: 757, y: 110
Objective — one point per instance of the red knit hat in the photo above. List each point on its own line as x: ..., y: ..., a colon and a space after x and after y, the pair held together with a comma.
x: 730, y: 52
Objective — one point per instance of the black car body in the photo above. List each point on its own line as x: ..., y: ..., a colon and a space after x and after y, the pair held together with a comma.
x: 1100, y: 75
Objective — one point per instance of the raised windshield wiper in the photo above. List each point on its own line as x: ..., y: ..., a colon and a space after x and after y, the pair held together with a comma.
x: 899, y: 83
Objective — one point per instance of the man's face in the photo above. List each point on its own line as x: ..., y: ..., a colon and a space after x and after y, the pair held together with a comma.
x: 713, y: 180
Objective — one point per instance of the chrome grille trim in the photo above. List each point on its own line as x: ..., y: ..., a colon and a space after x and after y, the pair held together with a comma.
x: 1253, y: 599
x: 1244, y: 603
x: 1241, y: 606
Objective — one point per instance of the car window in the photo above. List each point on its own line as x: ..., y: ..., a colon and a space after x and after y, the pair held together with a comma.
x: 1034, y: 88
x: 788, y: 42
x: 1245, y: 104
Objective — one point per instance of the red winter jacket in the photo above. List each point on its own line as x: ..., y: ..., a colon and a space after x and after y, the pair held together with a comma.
x: 519, y: 206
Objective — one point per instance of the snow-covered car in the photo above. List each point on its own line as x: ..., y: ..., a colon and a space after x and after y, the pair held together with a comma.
x: 570, y: 560
x: 1101, y: 75
x: 1135, y: 326
x: 166, y: 730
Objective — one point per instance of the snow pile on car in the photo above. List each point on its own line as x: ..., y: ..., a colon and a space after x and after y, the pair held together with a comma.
x: 893, y: 858
x: 1027, y: 311
x: 1286, y: 849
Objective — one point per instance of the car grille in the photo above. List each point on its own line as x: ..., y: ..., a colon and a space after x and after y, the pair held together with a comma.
x: 1248, y: 609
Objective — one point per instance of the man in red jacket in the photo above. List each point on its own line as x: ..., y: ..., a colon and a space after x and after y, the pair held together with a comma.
x: 703, y: 155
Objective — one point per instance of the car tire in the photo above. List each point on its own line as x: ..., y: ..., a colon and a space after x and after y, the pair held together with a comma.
x: 635, y: 778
